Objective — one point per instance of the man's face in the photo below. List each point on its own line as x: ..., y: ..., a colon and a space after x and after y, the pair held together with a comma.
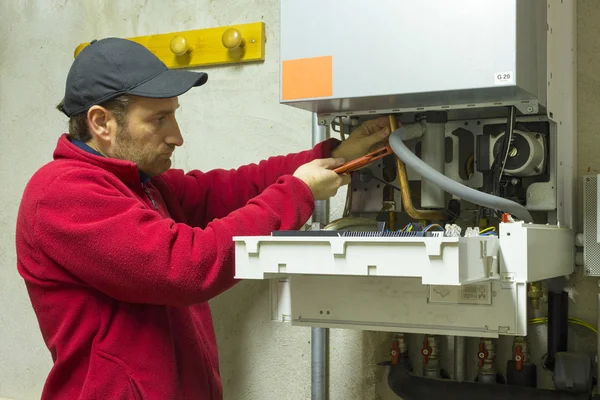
x: 149, y: 135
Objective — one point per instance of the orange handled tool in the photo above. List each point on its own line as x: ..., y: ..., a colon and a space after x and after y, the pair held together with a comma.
x: 364, y: 160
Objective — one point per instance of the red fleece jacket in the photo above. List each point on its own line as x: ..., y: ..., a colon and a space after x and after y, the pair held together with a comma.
x: 119, y: 272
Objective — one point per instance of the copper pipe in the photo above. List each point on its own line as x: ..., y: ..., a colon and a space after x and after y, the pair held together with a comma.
x: 431, y: 215
x: 391, y: 225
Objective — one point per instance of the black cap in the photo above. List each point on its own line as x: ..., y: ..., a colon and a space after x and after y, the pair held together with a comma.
x: 112, y: 67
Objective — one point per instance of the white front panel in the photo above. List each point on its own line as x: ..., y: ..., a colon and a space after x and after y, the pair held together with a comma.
x: 405, y: 305
x: 383, y: 47
x: 522, y: 253
x: 532, y: 252
x: 436, y: 260
x: 469, y: 286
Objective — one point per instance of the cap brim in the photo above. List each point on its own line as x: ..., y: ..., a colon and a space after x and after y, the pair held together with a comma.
x: 170, y: 83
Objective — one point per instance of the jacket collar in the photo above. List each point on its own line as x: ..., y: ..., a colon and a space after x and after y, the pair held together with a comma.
x: 122, y: 169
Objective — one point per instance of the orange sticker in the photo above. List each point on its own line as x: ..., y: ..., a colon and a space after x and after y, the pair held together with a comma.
x: 306, y: 78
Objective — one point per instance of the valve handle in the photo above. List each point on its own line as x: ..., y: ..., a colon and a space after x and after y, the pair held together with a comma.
x: 426, y: 351
x: 395, y: 352
x: 519, y: 358
x: 482, y: 355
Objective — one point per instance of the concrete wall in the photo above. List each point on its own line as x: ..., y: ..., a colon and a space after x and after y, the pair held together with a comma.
x: 234, y: 119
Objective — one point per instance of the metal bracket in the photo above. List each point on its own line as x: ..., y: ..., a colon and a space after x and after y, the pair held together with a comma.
x: 528, y: 107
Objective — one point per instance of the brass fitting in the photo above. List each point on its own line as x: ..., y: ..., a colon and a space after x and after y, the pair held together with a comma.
x: 534, y: 292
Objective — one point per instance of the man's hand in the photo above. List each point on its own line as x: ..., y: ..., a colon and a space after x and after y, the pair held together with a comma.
x: 366, y: 138
x: 322, y: 181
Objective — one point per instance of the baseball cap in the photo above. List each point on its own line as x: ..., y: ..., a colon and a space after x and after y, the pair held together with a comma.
x: 112, y: 67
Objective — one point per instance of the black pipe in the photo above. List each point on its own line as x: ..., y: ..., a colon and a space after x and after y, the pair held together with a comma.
x: 558, y: 326
x: 409, y: 386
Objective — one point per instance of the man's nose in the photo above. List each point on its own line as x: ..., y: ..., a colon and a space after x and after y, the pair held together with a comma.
x: 175, y: 137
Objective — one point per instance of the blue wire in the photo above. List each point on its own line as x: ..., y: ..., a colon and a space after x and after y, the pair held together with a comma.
x: 430, y: 225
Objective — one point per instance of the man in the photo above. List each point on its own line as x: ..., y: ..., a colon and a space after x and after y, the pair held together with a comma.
x: 121, y: 254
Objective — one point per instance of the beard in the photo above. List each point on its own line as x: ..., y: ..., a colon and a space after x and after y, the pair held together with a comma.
x: 150, y: 162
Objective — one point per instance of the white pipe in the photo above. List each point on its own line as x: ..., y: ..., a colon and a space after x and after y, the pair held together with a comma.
x: 412, y: 131
x: 433, y: 154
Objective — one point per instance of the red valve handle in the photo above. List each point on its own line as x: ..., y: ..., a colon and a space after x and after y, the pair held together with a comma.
x: 395, y: 352
x: 483, y: 355
x: 519, y: 358
x: 426, y: 351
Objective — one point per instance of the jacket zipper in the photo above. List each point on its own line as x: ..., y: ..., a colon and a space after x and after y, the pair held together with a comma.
x: 150, y: 197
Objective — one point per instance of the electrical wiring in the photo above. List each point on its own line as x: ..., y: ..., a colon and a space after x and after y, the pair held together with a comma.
x: 407, y: 228
x: 577, y: 321
x: 494, y: 175
x: 428, y: 227
x: 488, y: 229
x: 574, y: 321
x: 369, y: 173
x: 500, y: 157
x: 386, y: 183
x: 506, y: 143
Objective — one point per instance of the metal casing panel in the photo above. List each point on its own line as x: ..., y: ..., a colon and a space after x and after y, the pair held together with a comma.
x: 403, y: 53
x: 591, y: 227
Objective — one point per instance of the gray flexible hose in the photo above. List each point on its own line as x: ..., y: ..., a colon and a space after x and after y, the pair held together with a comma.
x: 451, y: 186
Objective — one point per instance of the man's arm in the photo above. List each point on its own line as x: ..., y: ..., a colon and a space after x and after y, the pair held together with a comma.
x: 223, y: 191
x: 112, y: 242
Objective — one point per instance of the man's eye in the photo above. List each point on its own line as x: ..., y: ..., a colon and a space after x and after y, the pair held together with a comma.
x: 160, y: 120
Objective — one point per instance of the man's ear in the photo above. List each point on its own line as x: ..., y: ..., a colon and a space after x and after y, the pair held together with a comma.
x: 101, y: 124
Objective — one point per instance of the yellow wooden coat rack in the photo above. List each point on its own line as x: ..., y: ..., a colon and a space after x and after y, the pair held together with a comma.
x: 201, y: 47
